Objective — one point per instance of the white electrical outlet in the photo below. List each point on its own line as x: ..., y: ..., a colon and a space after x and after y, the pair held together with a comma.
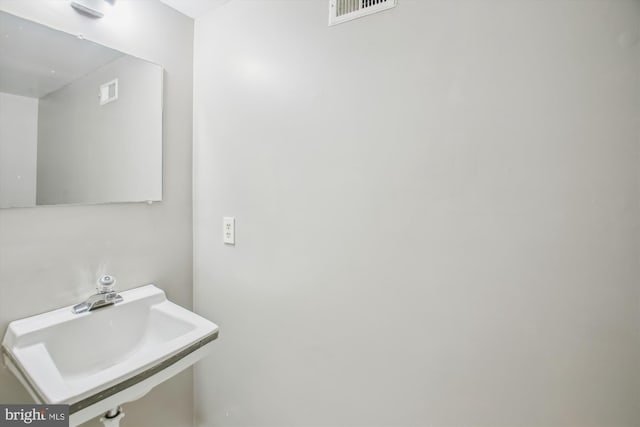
x: 229, y: 230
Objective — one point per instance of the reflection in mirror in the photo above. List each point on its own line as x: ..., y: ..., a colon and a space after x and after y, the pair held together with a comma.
x: 79, y: 122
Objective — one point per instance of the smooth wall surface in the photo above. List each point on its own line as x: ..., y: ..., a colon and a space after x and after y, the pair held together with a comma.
x: 18, y: 146
x: 436, y: 214
x: 51, y: 256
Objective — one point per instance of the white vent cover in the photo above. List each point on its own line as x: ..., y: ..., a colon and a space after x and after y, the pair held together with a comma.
x: 345, y: 10
x: 109, y: 92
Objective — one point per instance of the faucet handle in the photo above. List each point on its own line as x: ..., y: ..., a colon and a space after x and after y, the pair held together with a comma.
x: 105, y: 283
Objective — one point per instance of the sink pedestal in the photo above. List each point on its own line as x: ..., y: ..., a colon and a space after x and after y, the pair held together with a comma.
x: 113, y: 417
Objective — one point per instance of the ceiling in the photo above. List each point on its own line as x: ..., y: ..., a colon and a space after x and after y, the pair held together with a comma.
x: 36, y: 60
x: 194, y: 8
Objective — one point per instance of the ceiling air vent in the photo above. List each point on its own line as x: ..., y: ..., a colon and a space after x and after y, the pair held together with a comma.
x: 345, y: 10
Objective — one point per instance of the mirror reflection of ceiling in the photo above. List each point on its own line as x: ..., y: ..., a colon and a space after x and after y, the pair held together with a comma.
x: 36, y: 60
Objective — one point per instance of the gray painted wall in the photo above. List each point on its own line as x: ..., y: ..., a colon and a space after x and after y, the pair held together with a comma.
x: 436, y: 212
x: 18, y: 146
x: 92, y: 153
x: 50, y: 256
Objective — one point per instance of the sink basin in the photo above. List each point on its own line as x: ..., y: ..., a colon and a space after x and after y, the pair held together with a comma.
x: 97, y: 360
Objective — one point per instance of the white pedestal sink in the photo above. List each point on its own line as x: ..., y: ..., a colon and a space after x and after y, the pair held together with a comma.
x: 98, y: 360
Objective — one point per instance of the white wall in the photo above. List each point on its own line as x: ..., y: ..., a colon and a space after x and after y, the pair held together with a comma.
x: 95, y: 153
x: 51, y: 256
x: 437, y: 214
x: 18, y: 146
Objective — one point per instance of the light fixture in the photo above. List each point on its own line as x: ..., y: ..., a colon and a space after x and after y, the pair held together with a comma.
x: 92, y: 8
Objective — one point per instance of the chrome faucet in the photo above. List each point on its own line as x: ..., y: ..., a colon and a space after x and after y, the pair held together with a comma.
x: 105, y: 295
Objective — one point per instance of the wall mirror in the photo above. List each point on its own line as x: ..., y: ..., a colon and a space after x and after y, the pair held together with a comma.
x: 80, y: 123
